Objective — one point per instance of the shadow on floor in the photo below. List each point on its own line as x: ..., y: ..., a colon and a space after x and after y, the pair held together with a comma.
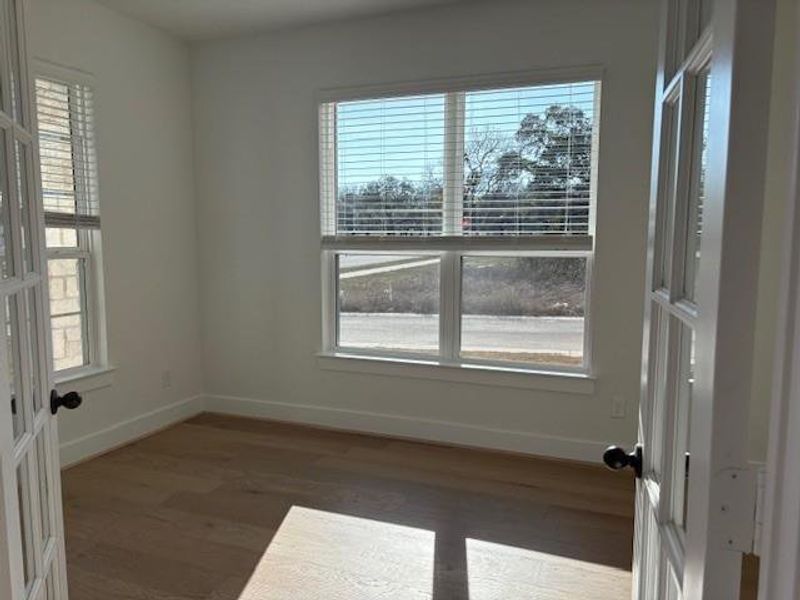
x: 234, y: 509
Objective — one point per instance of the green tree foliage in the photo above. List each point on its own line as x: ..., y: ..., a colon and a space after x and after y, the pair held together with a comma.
x: 392, y: 206
x: 534, y: 181
x: 538, y: 182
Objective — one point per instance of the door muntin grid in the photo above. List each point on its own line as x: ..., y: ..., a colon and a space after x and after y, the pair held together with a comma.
x: 36, y: 544
x: 672, y: 306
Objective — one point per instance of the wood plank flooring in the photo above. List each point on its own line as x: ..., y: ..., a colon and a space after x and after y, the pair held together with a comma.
x: 224, y: 508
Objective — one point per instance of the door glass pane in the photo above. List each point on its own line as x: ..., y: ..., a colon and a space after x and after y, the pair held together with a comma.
x: 697, y: 190
x: 31, y: 322
x: 666, y: 197
x: 688, y: 18
x: 388, y: 302
x: 14, y: 381
x: 24, y: 196
x: 16, y: 63
x: 673, y: 587
x: 50, y: 584
x: 26, y: 522
x: 523, y: 309
x: 658, y: 388
x: 651, y: 571
x: 683, y: 413
x: 6, y: 262
x: 44, y: 487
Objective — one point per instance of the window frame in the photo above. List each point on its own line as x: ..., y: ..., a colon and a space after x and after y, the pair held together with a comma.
x: 88, y: 252
x: 84, y: 253
x: 453, y: 249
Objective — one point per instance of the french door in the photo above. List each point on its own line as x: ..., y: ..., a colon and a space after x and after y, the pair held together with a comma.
x: 695, y: 495
x: 32, y: 562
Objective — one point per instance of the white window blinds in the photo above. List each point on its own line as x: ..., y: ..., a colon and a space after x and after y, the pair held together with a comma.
x: 489, y: 162
x: 67, y: 152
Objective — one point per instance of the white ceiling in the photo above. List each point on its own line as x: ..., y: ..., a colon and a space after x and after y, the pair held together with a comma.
x: 206, y: 19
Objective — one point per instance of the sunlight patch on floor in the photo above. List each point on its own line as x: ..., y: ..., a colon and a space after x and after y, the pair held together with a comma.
x: 322, y: 555
x: 500, y: 572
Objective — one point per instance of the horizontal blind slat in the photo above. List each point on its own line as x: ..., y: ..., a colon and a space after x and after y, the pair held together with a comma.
x: 392, y: 166
x: 67, y: 153
x: 70, y: 220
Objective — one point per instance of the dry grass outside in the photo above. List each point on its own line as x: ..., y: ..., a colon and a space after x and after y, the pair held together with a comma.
x: 536, y: 358
x: 497, y: 286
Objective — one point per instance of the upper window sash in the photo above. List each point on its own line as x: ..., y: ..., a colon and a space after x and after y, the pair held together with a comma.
x: 580, y: 244
x: 500, y: 166
x: 65, y: 113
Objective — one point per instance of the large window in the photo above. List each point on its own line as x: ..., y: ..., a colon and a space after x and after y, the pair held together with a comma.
x: 458, y: 226
x: 72, y: 220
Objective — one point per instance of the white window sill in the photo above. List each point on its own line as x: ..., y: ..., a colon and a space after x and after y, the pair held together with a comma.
x: 85, y: 380
x: 565, y: 382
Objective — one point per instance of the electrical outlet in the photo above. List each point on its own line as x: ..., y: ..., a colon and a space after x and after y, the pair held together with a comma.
x: 617, y: 407
x: 166, y: 379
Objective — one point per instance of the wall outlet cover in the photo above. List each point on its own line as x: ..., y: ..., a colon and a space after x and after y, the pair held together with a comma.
x: 618, y: 407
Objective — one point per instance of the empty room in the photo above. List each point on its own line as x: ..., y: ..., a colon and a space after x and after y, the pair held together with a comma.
x: 400, y: 299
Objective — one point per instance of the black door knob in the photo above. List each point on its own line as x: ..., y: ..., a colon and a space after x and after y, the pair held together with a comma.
x: 70, y: 401
x: 617, y: 458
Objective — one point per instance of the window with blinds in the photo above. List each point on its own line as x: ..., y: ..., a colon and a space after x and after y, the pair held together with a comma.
x: 72, y: 219
x: 486, y: 162
x: 67, y: 151
x: 457, y: 226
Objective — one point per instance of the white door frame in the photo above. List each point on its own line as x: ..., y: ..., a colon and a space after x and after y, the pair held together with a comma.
x: 779, y: 575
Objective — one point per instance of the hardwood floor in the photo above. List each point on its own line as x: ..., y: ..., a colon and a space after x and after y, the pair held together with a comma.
x: 225, y: 508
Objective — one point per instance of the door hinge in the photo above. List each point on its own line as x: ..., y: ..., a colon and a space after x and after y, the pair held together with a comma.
x: 738, y: 509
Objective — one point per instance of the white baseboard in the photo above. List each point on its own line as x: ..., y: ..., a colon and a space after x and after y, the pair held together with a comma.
x: 125, y: 432
x: 412, y: 428
x: 459, y: 434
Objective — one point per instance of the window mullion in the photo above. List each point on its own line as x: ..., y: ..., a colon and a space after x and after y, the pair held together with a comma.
x: 88, y: 298
x: 330, y: 300
x: 452, y: 216
x: 453, y: 201
x: 85, y: 282
x: 450, y: 307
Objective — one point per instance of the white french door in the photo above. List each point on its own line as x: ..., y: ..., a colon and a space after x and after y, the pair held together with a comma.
x: 32, y: 564
x: 695, y: 496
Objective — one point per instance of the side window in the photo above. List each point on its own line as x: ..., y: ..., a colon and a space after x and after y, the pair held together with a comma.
x: 72, y: 219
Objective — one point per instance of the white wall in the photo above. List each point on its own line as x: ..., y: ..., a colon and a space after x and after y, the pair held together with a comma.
x: 144, y: 136
x: 256, y: 159
x: 258, y: 251
x: 778, y: 178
